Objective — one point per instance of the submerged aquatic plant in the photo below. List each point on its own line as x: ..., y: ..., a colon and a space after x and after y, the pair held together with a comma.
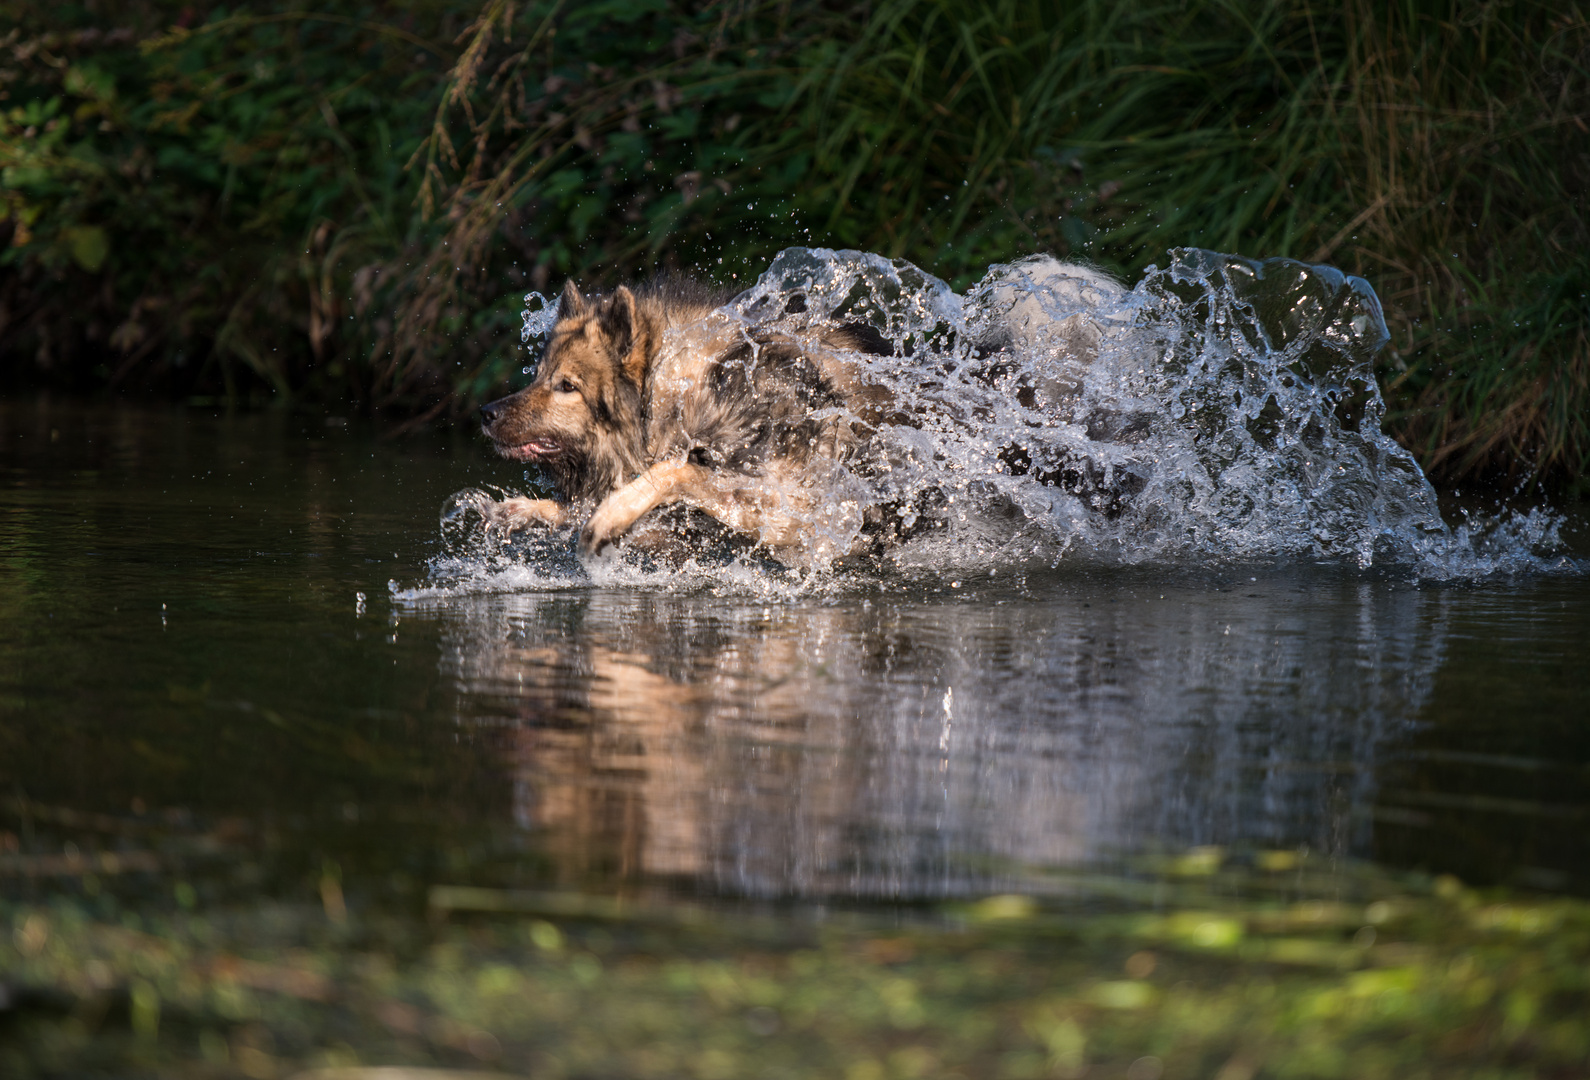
x: 1207, y: 965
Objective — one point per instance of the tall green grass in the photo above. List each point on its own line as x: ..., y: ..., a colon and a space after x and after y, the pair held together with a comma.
x: 364, y: 211
x: 1442, y: 150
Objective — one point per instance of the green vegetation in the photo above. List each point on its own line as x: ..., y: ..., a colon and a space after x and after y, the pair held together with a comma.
x: 1229, y: 974
x: 348, y: 202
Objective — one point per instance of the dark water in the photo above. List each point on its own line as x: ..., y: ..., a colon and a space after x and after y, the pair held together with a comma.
x: 182, y: 654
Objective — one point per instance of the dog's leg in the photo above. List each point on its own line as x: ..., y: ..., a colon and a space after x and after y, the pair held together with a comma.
x: 520, y: 513
x: 743, y: 503
x: 657, y: 486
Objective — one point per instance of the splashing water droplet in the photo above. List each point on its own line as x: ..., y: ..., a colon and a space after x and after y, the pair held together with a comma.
x: 537, y: 317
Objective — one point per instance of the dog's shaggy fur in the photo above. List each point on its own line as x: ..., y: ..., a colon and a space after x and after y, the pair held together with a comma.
x: 733, y: 421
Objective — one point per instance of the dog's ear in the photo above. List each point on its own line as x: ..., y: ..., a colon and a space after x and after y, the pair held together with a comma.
x: 571, y: 303
x: 621, y: 324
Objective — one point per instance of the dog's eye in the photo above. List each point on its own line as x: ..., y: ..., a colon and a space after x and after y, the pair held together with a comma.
x: 565, y: 387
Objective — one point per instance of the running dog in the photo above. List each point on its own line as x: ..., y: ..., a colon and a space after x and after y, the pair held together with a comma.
x: 736, y: 422
x: 651, y: 396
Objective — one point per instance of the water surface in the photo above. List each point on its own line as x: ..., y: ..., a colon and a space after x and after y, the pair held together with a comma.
x: 183, y: 645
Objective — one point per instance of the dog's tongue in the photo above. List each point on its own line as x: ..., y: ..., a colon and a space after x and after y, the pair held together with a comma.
x: 537, y: 448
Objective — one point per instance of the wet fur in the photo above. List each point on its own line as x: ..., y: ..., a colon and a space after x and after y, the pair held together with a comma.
x: 730, y: 420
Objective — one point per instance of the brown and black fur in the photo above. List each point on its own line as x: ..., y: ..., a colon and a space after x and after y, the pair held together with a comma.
x: 734, y: 421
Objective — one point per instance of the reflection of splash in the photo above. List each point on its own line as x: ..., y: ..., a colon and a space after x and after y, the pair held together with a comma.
x: 905, y: 749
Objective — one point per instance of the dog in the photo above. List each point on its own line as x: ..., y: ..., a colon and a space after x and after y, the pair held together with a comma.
x: 652, y: 396
x: 646, y: 397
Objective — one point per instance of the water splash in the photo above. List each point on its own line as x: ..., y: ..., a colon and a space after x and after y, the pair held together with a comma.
x: 537, y: 320
x: 671, y: 547
x: 1223, y: 409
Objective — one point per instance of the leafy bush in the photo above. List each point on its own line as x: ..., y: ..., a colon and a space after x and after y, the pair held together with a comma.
x: 185, y: 207
x: 305, y: 200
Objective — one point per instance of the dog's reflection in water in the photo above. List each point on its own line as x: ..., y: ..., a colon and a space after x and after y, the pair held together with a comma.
x: 927, y: 748
x: 733, y: 762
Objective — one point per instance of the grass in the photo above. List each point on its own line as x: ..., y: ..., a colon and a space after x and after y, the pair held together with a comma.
x: 357, y: 197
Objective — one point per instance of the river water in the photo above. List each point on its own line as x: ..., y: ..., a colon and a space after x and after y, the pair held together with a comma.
x: 249, y: 627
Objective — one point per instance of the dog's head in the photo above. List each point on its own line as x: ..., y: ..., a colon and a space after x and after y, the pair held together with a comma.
x: 581, y: 416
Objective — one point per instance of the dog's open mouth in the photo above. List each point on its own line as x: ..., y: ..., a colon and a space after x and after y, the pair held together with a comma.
x: 532, y: 450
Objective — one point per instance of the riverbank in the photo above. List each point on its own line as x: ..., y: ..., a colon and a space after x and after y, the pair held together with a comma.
x: 345, y: 205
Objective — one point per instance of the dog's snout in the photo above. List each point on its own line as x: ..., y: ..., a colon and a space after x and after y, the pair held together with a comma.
x: 490, y: 412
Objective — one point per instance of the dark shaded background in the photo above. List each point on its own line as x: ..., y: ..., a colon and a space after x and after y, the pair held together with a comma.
x: 345, y: 203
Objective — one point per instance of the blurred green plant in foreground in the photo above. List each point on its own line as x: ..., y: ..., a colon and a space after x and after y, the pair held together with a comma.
x: 1223, y: 973
x: 350, y: 202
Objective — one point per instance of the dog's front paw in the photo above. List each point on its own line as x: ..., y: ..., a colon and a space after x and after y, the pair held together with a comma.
x: 611, y: 520
x: 620, y: 510
x: 520, y: 513
x: 596, y: 535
